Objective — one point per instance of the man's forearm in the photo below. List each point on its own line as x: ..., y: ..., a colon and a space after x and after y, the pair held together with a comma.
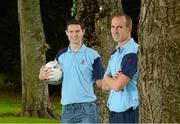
x: 104, y: 84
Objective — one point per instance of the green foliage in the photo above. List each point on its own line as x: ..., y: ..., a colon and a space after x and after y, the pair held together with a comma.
x: 7, y: 81
x: 2, y: 79
x: 74, y: 9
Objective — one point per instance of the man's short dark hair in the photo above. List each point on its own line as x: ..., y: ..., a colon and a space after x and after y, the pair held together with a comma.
x: 75, y: 22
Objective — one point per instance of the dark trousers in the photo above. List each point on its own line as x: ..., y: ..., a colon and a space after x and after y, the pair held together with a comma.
x: 129, y: 116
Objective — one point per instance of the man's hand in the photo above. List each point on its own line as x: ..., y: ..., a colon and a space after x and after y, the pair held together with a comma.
x: 99, y: 83
x: 45, y: 73
x: 116, y: 82
x: 104, y: 83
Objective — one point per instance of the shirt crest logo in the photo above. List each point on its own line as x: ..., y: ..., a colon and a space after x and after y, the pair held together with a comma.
x: 82, y: 61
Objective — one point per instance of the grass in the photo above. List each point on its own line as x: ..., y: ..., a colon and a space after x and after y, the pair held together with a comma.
x: 26, y: 120
x: 9, y: 108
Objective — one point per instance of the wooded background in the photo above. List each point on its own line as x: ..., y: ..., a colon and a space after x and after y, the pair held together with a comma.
x: 36, y: 28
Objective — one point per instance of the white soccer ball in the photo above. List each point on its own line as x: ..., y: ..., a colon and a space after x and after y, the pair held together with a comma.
x: 56, y: 78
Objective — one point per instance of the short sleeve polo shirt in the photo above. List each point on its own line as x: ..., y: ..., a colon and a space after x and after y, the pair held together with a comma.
x: 80, y: 70
x: 124, y: 60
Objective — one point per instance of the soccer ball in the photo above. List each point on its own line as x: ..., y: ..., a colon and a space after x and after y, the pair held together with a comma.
x: 56, y: 78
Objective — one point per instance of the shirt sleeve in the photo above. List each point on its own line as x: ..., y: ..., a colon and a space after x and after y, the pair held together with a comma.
x: 60, y: 52
x: 98, y: 70
x: 129, y: 64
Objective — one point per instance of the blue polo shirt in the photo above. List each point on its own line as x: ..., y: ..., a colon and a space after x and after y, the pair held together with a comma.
x: 124, y: 60
x: 80, y: 70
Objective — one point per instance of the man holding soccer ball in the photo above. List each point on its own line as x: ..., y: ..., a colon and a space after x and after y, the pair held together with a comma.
x: 82, y: 67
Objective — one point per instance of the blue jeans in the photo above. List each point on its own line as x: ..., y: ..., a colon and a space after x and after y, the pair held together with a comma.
x: 80, y: 113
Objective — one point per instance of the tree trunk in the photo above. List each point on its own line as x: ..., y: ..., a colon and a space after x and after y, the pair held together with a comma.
x: 106, y: 44
x: 96, y: 16
x: 159, y: 58
x: 35, y: 96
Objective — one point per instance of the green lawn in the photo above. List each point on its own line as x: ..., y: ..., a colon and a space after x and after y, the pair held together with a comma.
x: 9, y: 108
x: 26, y: 120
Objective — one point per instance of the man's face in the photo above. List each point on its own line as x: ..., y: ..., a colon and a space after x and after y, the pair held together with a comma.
x: 75, y: 33
x: 119, y: 31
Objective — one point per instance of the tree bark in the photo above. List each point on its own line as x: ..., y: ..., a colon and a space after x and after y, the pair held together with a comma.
x: 159, y: 58
x: 35, y: 96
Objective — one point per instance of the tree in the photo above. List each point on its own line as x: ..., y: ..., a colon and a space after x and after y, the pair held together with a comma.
x: 35, y: 96
x: 159, y: 59
x: 96, y: 15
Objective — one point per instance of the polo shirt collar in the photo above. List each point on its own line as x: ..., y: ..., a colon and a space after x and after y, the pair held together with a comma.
x: 118, y: 48
x: 81, y: 49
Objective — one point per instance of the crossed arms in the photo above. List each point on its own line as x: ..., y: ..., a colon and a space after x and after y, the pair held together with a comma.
x: 116, y: 83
